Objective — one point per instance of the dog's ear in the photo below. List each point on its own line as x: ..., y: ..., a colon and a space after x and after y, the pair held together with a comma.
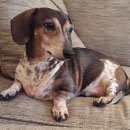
x: 21, y: 26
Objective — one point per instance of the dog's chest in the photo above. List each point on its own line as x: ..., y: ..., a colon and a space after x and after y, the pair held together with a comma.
x: 37, y: 79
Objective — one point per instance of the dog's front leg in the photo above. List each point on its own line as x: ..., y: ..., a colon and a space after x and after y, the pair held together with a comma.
x: 11, y: 92
x: 60, y: 110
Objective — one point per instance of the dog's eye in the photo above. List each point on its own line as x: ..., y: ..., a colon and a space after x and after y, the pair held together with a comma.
x: 49, y: 26
x: 70, y: 30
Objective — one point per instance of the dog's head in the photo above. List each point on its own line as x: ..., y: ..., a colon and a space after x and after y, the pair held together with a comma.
x: 45, y: 28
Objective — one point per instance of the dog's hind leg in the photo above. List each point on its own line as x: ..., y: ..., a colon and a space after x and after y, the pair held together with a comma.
x: 113, y: 82
x: 110, y: 93
x: 11, y: 92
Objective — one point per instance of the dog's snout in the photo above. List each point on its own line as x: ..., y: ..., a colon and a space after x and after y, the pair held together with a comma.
x: 68, y: 53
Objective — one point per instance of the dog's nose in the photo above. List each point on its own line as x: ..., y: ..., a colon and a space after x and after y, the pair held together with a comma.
x: 68, y: 53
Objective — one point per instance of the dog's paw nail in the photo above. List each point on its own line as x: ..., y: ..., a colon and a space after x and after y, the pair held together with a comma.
x: 96, y: 104
x: 66, y: 116
x: 7, y: 97
x: 60, y: 119
x: 1, y: 97
x: 17, y: 92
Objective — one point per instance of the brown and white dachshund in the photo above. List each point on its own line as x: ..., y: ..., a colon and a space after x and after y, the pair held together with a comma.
x: 50, y: 69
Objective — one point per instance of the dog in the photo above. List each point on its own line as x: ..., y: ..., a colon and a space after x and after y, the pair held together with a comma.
x: 50, y: 69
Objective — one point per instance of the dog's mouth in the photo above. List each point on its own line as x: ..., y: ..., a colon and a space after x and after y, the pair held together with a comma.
x: 62, y: 59
x: 67, y: 55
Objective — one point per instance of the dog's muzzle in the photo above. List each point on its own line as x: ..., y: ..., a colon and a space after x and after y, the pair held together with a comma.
x: 68, y: 53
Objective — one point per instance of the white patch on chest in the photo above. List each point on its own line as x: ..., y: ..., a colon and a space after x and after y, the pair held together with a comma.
x: 109, y: 73
x: 37, y: 79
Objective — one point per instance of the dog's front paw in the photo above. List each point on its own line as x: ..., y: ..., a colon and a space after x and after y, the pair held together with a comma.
x: 8, y: 94
x: 60, y: 114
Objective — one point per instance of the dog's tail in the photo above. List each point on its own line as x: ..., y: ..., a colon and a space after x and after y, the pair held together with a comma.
x: 123, y: 92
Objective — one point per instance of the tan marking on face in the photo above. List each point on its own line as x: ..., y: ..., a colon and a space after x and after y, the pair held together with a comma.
x: 48, y: 41
x: 66, y: 27
x: 39, y: 53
